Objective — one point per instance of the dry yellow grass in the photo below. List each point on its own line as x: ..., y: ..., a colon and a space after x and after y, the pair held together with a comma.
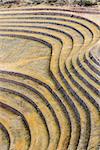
x: 49, y: 79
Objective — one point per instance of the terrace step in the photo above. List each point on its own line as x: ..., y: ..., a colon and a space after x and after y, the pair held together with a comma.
x: 66, y: 117
x: 10, y: 119
x: 4, y: 137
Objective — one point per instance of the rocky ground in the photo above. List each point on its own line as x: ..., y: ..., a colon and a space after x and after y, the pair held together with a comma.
x: 20, y: 3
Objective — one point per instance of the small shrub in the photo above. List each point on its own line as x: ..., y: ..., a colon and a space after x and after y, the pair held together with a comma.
x: 51, y: 1
x: 89, y: 3
x: 84, y: 3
